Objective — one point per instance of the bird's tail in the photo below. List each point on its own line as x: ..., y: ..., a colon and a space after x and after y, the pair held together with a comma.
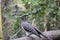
x: 46, y: 37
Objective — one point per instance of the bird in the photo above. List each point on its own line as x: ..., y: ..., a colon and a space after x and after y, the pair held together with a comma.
x: 29, y: 27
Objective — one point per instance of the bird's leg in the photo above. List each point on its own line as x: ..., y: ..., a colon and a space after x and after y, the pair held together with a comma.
x: 28, y: 34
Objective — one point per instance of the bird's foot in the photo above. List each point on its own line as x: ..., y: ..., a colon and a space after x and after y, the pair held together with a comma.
x: 28, y: 35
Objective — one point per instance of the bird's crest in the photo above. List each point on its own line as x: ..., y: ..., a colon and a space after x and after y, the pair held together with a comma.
x: 23, y: 17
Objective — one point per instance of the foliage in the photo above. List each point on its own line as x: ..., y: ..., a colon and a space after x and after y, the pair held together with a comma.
x: 36, y: 9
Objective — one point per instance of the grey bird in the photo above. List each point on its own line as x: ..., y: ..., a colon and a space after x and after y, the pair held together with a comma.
x: 30, y: 28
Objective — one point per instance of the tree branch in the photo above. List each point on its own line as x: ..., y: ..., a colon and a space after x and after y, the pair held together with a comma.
x: 54, y: 35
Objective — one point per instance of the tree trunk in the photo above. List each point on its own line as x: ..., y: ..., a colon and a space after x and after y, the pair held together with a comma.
x: 0, y: 23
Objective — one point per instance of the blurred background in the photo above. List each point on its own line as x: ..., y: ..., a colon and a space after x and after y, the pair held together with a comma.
x: 44, y: 14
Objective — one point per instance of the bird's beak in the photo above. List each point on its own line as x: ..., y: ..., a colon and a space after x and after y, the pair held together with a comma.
x: 24, y: 15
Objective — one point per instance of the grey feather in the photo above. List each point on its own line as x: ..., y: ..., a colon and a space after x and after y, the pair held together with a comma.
x: 30, y: 28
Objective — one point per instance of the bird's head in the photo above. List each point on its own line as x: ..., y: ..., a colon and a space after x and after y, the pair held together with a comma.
x: 23, y: 18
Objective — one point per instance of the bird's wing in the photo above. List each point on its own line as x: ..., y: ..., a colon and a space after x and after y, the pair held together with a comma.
x: 28, y: 27
x: 39, y: 32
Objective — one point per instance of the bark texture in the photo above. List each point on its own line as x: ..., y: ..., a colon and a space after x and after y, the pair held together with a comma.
x: 52, y: 35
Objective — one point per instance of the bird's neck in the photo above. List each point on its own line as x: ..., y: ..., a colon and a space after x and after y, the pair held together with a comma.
x: 24, y: 21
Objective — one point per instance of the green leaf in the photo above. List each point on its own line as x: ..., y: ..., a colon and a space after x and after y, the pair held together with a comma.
x: 14, y: 1
x: 58, y: 13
